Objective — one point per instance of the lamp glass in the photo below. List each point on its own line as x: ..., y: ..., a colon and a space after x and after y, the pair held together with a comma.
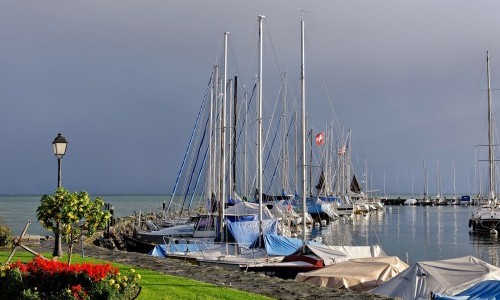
x: 59, y: 144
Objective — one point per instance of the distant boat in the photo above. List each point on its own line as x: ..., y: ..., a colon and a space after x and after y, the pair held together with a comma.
x: 410, y: 201
x: 486, y: 218
x: 465, y: 200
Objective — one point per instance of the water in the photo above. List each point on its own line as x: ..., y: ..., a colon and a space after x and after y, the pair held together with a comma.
x: 15, y: 211
x: 413, y: 233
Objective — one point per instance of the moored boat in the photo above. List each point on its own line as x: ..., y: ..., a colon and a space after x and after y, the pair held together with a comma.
x: 486, y: 218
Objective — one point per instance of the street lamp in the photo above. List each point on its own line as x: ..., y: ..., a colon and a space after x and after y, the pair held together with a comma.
x: 59, y: 144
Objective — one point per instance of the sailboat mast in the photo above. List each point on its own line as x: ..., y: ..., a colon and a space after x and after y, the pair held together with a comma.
x: 259, y: 131
x: 425, y: 178
x: 222, y: 192
x: 303, y: 105
x: 245, y: 183
x: 235, y: 109
x: 454, y: 178
x: 491, y: 155
x: 284, y: 155
x: 230, y: 140
x: 215, y: 146
x: 210, y: 143
x: 296, y: 150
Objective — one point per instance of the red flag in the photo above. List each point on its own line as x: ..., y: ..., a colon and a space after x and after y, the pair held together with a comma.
x: 320, y: 138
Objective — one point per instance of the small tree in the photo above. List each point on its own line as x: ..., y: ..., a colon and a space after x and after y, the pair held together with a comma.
x: 77, y: 214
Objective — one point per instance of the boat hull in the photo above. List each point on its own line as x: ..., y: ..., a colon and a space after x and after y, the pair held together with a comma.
x: 485, y: 219
x: 135, y: 245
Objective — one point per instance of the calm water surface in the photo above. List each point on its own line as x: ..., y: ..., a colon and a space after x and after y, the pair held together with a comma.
x: 414, y: 234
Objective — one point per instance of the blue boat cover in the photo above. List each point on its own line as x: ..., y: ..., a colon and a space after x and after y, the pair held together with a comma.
x: 159, y: 251
x: 163, y: 250
x: 280, y: 245
x: 484, y: 290
x: 246, y: 233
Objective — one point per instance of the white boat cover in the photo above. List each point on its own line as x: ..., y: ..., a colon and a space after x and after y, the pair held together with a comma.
x: 335, y: 254
x: 449, y: 276
x: 360, y: 274
x: 243, y: 208
x: 410, y: 201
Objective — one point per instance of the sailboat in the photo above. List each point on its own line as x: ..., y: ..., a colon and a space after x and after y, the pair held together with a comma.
x: 439, y: 200
x: 486, y: 218
x: 426, y: 200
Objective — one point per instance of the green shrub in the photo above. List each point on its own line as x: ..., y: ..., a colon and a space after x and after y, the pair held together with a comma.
x: 5, y: 236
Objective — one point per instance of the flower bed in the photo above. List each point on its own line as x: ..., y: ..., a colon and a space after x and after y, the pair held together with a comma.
x: 44, y: 279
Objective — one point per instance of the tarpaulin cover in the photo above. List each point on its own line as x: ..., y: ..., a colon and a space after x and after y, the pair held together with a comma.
x: 485, y: 290
x: 164, y: 250
x: 448, y: 277
x: 281, y: 245
x: 335, y: 254
x: 360, y: 274
x: 246, y: 233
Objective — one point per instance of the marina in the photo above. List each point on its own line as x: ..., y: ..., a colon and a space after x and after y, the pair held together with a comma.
x: 413, y: 233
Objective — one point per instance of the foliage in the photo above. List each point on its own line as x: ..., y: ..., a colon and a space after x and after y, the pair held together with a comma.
x: 5, y: 235
x: 156, y: 285
x: 44, y: 279
x: 77, y: 214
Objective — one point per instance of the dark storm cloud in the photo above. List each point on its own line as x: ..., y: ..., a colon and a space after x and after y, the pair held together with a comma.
x: 123, y: 80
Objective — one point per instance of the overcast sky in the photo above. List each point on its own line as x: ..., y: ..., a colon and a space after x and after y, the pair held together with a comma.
x: 123, y: 80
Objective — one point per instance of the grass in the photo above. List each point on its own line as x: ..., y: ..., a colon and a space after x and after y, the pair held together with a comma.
x: 156, y: 285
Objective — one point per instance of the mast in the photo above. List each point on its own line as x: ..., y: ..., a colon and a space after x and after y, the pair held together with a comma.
x: 215, y: 175
x: 259, y: 132
x: 303, y: 109
x: 230, y: 141
x: 425, y: 179
x: 438, y: 175
x: 222, y: 192
x: 210, y: 144
x: 296, y: 151
x: 310, y: 161
x: 491, y: 154
x: 454, y: 178
x: 233, y: 187
x: 284, y: 154
x: 245, y: 183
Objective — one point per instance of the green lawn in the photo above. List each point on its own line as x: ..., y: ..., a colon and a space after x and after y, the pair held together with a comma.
x: 156, y: 285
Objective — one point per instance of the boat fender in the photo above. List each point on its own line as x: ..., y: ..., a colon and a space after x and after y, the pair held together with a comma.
x: 470, y: 223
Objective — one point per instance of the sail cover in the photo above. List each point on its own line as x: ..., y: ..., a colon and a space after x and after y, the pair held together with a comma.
x: 449, y: 276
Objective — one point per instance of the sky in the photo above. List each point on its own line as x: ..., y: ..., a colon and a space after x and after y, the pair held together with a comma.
x: 123, y: 80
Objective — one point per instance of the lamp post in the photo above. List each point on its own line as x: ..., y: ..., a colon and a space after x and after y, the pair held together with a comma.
x: 59, y: 144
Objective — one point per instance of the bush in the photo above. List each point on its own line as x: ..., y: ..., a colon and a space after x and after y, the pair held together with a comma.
x: 5, y: 236
x: 44, y: 279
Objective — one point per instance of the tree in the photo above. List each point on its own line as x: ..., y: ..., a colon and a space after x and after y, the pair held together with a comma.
x: 77, y: 214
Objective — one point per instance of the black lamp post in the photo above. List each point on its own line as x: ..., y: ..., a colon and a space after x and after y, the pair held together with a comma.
x: 59, y: 144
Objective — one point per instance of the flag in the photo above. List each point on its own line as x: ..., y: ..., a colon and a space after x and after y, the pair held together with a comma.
x: 320, y: 138
x: 342, y: 150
